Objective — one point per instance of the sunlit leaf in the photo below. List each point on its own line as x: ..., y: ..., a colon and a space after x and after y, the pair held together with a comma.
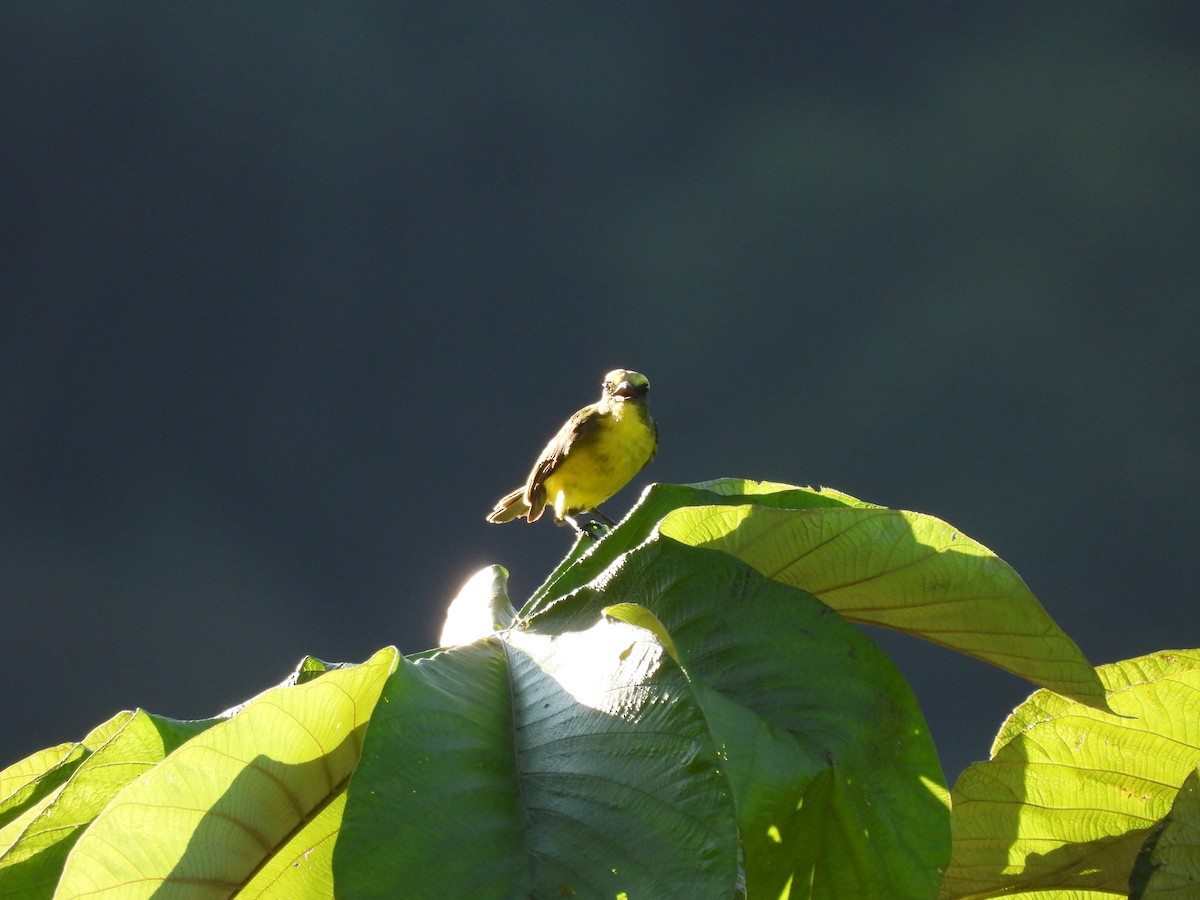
x: 34, y: 847
x: 534, y: 764
x: 480, y: 609
x: 1071, y: 793
x: 589, y: 558
x: 636, y: 614
x: 203, y: 821
x: 25, y: 782
x: 901, y: 570
x: 1168, y: 865
x: 30, y: 781
x: 838, y: 787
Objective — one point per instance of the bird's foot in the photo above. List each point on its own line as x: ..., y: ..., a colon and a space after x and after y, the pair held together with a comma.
x: 592, y: 529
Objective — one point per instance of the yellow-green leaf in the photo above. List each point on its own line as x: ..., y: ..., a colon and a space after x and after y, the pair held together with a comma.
x: 30, y: 781
x: 223, y: 805
x: 1071, y: 793
x: 901, y: 570
x: 34, y: 846
x: 636, y: 614
x: 836, y: 781
x: 481, y: 608
x: 531, y: 764
x: 1169, y: 863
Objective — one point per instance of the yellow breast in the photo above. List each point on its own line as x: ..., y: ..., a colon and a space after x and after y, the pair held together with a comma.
x: 595, y: 470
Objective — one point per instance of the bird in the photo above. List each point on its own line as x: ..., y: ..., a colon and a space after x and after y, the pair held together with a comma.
x: 595, y: 454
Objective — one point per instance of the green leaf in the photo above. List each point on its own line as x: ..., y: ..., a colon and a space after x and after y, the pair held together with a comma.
x: 309, y: 669
x: 901, y: 570
x: 303, y: 865
x: 26, y: 782
x: 24, y: 772
x: 480, y: 609
x: 30, y: 781
x: 588, y: 558
x: 1169, y: 862
x: 636, y: 614
x: 838, y: 788
x: 1071, y: 793
x: 35, y: 846
x: 775, y: 493
x: 226, y: 802
x: 535, y: 764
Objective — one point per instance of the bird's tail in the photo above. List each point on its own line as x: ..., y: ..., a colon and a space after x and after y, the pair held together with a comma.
x: 509, y: 507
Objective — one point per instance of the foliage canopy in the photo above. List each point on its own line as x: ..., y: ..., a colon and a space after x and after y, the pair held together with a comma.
x: 683, y: 709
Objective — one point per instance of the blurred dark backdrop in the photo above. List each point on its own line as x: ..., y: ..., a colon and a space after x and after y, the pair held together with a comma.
x: 292, y: 292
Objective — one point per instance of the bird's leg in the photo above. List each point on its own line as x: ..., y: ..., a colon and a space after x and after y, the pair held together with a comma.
x: 602, y: 517
x: 588, y: 529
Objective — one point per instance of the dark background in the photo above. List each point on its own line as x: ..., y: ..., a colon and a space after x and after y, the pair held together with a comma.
x: 292, y: 292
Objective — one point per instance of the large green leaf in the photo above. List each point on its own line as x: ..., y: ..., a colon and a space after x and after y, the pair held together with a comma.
x: 35, y: 846
x: 1071, y: 793
x: 901, y: 570
x: 302, y: 866
x: 588, y: 558
x: 230, y: 801
x: 838, y: 788
x: 481, y: 608
x: 31, y: 781
x: 542, y: 765
x: 1168, y: 865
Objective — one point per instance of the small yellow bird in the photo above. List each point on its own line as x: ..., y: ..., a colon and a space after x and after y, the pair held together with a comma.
x: 592, y: 457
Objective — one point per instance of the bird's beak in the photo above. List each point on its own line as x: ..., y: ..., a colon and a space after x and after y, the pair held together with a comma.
x: 626, y: 389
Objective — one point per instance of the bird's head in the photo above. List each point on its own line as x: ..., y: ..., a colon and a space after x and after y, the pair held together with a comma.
x: 625, y: 384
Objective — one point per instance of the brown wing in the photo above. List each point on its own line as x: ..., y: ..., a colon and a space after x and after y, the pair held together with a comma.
x: 581, y: 426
